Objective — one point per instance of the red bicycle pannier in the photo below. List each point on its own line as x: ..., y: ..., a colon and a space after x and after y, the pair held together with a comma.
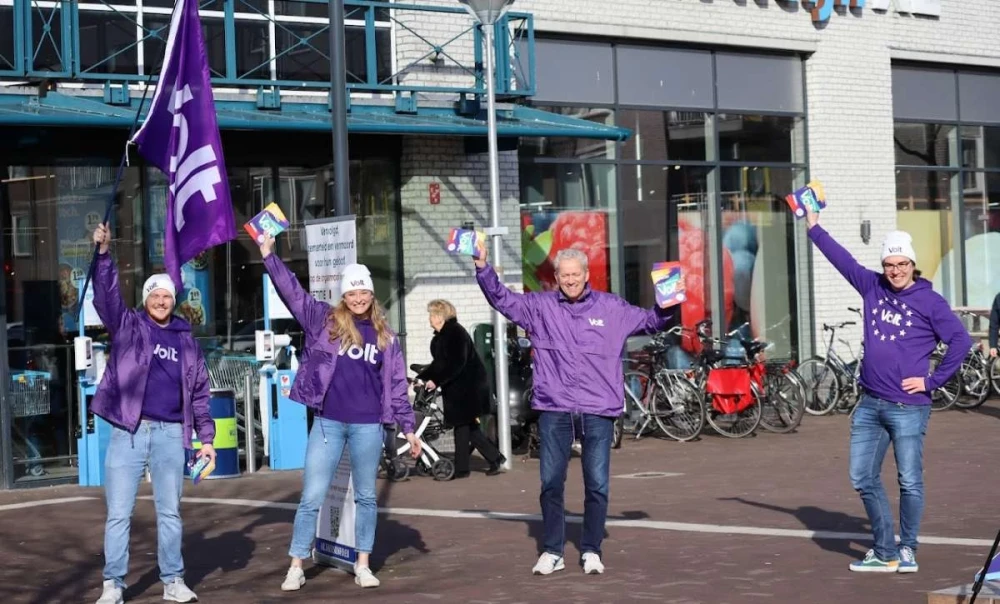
x: 730, y: 387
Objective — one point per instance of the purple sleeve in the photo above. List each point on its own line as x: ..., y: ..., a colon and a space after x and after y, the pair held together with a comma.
x: 948, y: 329
x: 402, y: 411
x: 512, y: 305
x: 308, y: 311
x: 644, y: 321
x: 204, y: 425
x: 107, y: 295
x: 860, y: 278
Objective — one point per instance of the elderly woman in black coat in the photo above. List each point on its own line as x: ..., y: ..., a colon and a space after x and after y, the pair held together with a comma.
x: 459, y: 372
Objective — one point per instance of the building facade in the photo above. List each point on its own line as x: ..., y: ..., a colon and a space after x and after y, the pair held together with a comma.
x: 638, y: 131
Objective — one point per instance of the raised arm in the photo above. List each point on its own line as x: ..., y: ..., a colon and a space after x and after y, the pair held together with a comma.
x: 308, y: 311
x: 644, y: 321
x: 107, y: 295
x: 860, y: 278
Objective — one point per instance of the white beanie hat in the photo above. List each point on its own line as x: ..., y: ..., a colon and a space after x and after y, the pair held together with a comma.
x: 898, y: 243
x: 356, y: 277
x: 158, y: 281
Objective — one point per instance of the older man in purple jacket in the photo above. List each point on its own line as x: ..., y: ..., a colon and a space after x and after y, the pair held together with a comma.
x: 155, y: 392
x: 578, y: 336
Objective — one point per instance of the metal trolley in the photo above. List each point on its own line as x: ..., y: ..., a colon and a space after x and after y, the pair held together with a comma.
x: 29, y: 396
x: 229, y: 370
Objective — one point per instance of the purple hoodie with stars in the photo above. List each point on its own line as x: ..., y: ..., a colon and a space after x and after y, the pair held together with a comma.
x: 902, y: 328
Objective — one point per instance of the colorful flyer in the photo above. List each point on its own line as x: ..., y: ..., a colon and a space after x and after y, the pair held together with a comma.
x: 668, y: 281
x: 271, y: 221
x: 810, y: 197
x: 467, y: 242
x: 200, y: 468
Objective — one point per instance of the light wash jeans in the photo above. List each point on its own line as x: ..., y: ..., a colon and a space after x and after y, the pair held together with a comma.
x: 876, y: 424
x: 327, y: 440
x: 160, y: 446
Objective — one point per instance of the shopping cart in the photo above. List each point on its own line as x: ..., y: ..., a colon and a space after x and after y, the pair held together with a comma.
x: 29, y: 397
x: 229, y: 370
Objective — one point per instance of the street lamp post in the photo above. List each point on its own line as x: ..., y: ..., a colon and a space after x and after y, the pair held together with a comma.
x: 487, y: 12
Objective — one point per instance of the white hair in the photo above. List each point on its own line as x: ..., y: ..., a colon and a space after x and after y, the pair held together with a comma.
x: 570, y: 254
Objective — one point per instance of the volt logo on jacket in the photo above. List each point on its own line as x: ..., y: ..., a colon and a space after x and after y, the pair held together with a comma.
x: 596, y: 322
x: 894, y: 315
x: 166, y: 353
x: 368, y: 353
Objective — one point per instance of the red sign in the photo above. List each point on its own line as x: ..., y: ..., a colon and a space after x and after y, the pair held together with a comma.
x: 434, y: 193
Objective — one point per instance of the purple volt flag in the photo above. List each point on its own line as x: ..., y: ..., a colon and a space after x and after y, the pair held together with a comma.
x: 181, y: 137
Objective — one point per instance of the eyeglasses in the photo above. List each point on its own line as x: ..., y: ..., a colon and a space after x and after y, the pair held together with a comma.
x: 899, y: 266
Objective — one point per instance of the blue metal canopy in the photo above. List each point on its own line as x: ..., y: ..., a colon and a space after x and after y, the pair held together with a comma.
x: 60, y: 109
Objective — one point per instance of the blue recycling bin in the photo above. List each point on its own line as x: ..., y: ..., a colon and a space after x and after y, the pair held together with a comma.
x: 227, y: 459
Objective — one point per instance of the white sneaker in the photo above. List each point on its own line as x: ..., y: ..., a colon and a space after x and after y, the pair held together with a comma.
x: 178, y: 592
x: 364, y: 577
x: 112, y: 594
x: 294, y: 580
x: 548, y: 564
x: 592, y: 564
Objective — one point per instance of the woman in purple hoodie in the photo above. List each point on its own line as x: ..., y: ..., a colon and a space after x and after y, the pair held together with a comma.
x: 155, y: 392
x: 353, y: 378
x: 904, y: 320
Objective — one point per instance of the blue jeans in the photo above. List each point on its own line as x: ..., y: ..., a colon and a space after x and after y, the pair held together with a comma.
x: 327, y: 440
x: 160, y: 447
x: 875, y: 425
x: 556, y: 432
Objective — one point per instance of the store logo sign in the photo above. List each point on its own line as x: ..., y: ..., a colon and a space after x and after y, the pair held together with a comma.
x: 822, y: 9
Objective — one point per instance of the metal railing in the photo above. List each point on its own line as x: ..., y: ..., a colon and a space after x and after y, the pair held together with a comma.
x: 392, y: 47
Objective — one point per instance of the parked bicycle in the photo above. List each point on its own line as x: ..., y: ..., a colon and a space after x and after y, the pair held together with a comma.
x: 832, y: 382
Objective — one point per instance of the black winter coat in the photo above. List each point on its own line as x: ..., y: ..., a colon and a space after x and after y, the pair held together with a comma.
x: 460, y: 373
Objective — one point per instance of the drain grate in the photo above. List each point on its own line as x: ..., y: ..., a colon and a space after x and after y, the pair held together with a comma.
x: 649, y: 475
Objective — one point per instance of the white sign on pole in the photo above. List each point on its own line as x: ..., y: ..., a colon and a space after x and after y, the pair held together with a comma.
x: 274, y: 306
x: 331, y: 244
x: 90, y: 316
x: 335, y: 540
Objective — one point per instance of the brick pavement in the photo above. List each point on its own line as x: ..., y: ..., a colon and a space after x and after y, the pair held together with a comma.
x: 235, y: 553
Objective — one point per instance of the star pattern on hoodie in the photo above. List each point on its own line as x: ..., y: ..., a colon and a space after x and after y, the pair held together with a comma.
x: 887, y: 329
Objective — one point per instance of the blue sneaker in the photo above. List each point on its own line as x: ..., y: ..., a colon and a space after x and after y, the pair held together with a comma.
x: 907, y: 560
x: 872, y: 564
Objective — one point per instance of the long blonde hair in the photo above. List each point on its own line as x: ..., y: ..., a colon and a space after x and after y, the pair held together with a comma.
x: 343, y: 327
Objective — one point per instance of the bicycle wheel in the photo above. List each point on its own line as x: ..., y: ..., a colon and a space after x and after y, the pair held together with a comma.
x: 995, y: 375
x: 784, y: 402
x: 822, y: 386
x: 635, y: 416
x: 974, y: 376
x: 945, y: 397
x: 678, y: 408
x: 737, y: 425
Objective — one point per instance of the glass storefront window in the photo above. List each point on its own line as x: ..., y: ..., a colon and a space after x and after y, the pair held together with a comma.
x: 575, y: 148
x: 757, y: 239
x: 924, y: 209
x: 663, y: 135
x: 981, y: 230
x: 760, y: 138
x: 925, y: 144
x: 566, y: 206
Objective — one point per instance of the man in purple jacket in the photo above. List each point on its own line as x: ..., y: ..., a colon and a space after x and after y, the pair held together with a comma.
x: 904, y: 319
x: 155, y: 393
x: 578, y: 336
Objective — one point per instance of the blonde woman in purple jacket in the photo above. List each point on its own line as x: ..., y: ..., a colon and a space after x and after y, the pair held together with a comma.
x: 353, y: 377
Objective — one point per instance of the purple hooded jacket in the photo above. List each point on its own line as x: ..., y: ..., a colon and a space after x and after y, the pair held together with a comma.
x: 902, y: 328
x: 577, y: 346
x: 122, y: 389
x: 318, y: 358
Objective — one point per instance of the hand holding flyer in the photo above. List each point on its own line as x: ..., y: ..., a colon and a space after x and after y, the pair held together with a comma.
x: 668, y: 281
x: 810, y: 198
x: 271, y: 220
x: 200, y: 468
x: 467, y: 242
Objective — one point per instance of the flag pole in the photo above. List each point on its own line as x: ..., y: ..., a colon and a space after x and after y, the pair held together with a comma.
x: 114, y: 189
x: 978, y: 585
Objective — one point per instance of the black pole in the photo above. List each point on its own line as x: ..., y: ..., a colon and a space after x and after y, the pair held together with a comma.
x: 978, y: 585
x: 338, y: 110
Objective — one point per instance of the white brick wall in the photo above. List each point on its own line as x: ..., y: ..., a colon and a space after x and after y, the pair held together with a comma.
x: 430, y: 272
x: 848, y: 83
